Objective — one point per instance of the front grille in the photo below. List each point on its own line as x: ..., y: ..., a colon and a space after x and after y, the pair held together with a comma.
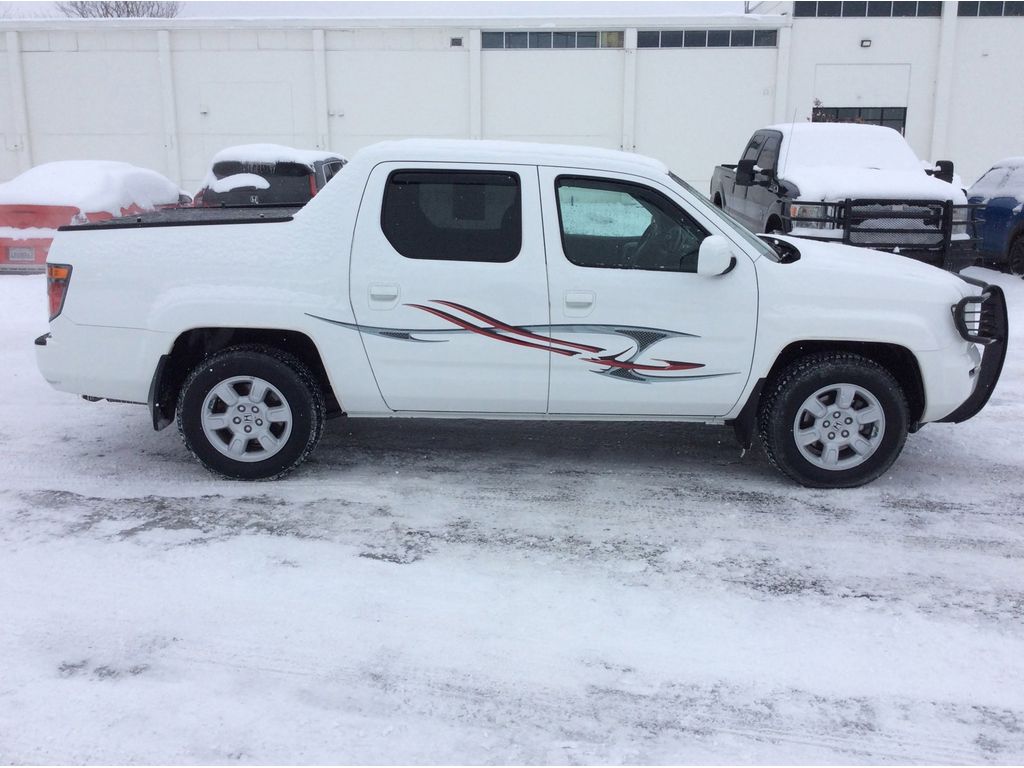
x: 909, y: 224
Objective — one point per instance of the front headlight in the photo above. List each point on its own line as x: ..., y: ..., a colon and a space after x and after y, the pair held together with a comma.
x: 812, y: 215
x: 961, y: 220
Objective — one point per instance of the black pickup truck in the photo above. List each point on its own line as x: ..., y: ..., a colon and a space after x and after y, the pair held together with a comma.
x: 855, y: 184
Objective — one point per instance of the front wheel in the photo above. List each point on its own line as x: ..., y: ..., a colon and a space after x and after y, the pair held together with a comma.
x: 1016, y: 256
x: 834, y: 420
x: 251, y: 413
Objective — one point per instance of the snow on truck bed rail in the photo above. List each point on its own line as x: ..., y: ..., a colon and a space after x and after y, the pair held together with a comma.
x: 91, y: 186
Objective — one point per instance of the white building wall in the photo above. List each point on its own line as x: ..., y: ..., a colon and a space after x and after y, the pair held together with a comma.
x: 390, y: 84
x: 898, y: 70
x: 564, y: 96
x: 987, y: 121
x: 697, y: 107
x: 92, y: 95
x: 107, y: 91
x: 8, y: 130
x: 239, y: 87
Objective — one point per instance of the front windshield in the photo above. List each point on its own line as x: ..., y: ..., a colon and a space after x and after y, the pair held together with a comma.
x: 727, y: 221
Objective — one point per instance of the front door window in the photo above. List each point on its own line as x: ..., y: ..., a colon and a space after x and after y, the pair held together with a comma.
x: 619, y: 225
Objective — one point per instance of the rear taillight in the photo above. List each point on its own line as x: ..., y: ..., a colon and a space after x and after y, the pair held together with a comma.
x: 312, y: 185
x: 57, y: 278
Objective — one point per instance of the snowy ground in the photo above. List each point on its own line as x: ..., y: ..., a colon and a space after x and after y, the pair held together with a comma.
x: 494, y: 592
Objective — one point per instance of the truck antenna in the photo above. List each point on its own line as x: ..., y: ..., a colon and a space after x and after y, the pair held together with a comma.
x: 785, y: 160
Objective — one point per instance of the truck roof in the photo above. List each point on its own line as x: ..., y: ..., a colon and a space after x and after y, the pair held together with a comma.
x: 508, y: 152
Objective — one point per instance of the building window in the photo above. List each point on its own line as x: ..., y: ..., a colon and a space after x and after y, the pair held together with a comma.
x: 984, y: 8
x: 648, y: 39
x: 606, y: 39
x: 861, y: 8
x: 890, y: 117
x: 718, y: 38
x: 708, y: 38
x: 540, y: 39
x: 453, y: 215
x: 695, y: 38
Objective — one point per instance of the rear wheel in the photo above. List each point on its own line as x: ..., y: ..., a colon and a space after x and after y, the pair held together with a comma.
x: 834, y: 420
x: 251, y: 413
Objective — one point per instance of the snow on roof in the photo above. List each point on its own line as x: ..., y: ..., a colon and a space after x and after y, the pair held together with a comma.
x: 272, y: 153
x: 513, y: 152
x: 90, y: 185
x: 835, y: 161
x: 849, y: 145
x: 238, y: 181
x: 1005, y: 179
x: 1009, y: 162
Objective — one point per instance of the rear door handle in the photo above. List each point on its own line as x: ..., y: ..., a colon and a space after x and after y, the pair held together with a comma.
x: 579, y: 303
x: 579, y: 299
x: 384, y: 296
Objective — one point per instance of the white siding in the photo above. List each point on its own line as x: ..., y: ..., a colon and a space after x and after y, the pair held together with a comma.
x: 95, y: 90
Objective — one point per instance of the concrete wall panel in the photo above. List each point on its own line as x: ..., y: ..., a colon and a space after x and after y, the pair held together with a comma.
x: 567, y: 96
x: 696, y: 108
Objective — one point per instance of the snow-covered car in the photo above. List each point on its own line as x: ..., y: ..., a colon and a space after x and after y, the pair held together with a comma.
x: 34, y: 204
x: 499, y: 280
x: 856, y: 184
x: 1000, y: 220
x: 266, y: 174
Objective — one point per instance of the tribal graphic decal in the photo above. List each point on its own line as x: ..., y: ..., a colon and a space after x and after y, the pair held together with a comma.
x: 621, y: 365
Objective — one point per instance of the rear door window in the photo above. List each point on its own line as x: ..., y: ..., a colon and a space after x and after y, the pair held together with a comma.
x: 454, y: 215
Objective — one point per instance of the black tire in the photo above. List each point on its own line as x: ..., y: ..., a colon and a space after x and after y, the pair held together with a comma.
x: 291, y: 385
x: 1015, y: 256
x: 787, y: 396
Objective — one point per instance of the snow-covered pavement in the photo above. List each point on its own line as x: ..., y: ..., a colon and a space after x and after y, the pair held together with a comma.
x: 491, y: 592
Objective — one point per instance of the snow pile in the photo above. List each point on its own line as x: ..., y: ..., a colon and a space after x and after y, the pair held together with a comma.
x: 92, y: 186
x: 237, y: 181
x: 835, y: 161
x: 27, y: 233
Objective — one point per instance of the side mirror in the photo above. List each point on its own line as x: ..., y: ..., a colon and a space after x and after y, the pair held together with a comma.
x: 715, y: 256
x: 944, y: 170
x: 745, y: 173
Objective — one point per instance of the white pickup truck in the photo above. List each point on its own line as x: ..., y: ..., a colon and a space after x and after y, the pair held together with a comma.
x: 514, y: 281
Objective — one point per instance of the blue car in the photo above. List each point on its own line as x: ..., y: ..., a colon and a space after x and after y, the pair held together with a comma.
x: 1000, y: 223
